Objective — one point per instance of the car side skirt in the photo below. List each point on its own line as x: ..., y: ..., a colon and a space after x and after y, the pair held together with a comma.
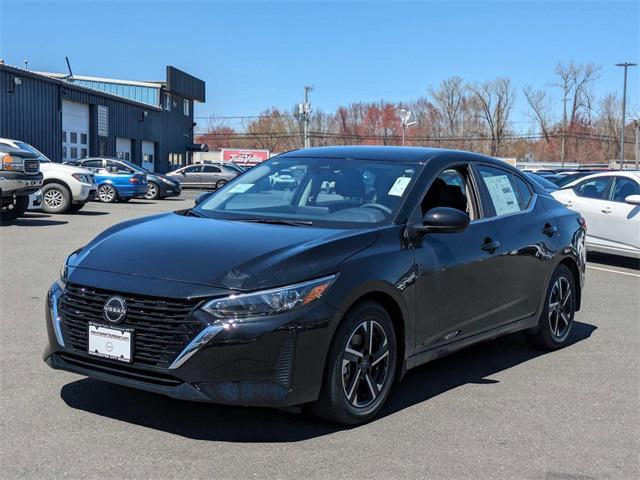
x: 449, y: 348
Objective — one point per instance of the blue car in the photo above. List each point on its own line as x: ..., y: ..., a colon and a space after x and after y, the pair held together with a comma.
x: 115, y: 183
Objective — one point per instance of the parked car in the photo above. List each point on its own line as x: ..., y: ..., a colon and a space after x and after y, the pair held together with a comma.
x: 115, y: 181
x: 19, y: 177
x: 548, y: 185
x: 65, y: 188
x: 281, y: 298
x: 158, y: 186
x: 610, y: 203
x: 204, y: 175
x: 567, y: 178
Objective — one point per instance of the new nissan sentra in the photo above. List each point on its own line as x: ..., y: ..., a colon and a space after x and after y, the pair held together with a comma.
x: 323, y: 291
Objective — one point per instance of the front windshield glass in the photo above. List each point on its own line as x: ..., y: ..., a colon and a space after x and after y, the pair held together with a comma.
x: 135, y: 167
x: 25, y: 146
x: 331, y: 192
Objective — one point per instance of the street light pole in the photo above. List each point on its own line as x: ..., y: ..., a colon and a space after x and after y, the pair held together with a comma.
x: 304, y: 114
x: 626, y: 65
x: 405, y: 116
x: 637, y: 125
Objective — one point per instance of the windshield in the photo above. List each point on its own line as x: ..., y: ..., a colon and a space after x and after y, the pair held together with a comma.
x: 25, y: 146
x: 134, y: 167
x: 330, y: 192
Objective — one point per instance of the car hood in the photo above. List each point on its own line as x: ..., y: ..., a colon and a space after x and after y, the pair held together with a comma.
x: 59, y: 167
x: 219, y: 253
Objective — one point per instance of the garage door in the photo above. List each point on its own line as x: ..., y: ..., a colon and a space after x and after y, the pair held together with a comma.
x: 148, y: 156
x: 123, y: 148
x: 75, y: 130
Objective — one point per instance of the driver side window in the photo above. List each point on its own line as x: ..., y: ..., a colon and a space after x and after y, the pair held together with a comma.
x: 451, y: 188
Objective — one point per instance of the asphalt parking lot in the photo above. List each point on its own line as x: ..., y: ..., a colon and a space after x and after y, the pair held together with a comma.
x: 498, y: 410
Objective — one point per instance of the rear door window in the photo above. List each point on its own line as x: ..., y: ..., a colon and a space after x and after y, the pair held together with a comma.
x: 502, y: 188
x: 624, y: 187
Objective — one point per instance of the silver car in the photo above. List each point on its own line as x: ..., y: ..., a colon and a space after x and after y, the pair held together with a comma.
x: 204, y: 176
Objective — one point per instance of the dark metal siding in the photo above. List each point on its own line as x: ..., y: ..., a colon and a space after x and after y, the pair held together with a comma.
x: 33, y: 114
x: 184, y: 84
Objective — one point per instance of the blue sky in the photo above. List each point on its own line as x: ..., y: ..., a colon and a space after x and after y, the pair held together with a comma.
x: 257, y: 55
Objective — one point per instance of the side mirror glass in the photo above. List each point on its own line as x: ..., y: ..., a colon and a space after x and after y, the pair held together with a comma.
x: 633, y: 199
x: 202, y: 197
x: 444, y: 220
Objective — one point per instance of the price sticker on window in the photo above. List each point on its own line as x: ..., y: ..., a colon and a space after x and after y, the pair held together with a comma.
x: 399, y: 186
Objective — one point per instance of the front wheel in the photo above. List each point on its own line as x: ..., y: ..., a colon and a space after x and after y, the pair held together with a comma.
x: 220, y: 184
x: 55, y: 198
x: 107, y: 194
x: 15, y: 210
x: 360, y: 367
x: 153, y: 191
x: 556, y: 321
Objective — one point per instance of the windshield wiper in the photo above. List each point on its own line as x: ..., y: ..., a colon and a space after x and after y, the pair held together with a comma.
x: 193, y: 213
x: 277, y: 221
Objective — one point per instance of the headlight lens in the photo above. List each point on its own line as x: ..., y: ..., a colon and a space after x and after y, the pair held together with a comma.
x: 62, y: 281
x: 269, y: 302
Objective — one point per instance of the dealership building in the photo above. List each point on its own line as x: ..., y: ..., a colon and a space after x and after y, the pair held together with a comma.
x: 70, y: 117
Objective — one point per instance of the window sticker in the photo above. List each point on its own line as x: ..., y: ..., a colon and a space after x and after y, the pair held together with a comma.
x: 241, y: 188
x: 502, y: 193
x: 399, y: 186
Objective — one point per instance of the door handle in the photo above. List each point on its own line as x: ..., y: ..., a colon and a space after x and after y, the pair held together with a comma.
x: 490, y: 245
x: 606, y: 210
x: 549, y: 230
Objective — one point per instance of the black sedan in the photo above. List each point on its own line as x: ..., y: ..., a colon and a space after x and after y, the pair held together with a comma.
x: 158, y: 186
x: 323, y: 291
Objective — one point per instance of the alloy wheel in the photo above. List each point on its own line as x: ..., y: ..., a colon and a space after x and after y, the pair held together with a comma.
x: 152, y: 192
x: 53, y: 199
x: 365, y: 364
x: 106, y: 194
x: 560, y: 308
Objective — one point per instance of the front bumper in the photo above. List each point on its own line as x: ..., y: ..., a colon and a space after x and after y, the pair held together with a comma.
x: 86, y: 193
x: 274, y: 361
x: 170, y: 190
x: 19, y: 183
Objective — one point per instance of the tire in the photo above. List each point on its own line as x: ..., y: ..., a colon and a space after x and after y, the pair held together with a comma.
x: 153, y: 191
x: 107, y: 194
x: 356, y: 383
x: 12, y: 212
x: 220, y: 184
x: 556, y: 321
x: 75, y: 207
x: 55, y: 198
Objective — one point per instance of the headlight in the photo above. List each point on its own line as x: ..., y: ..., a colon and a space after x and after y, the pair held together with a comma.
x: 81, y: 177
x: 269, y: 302
x: 166, y: 180
x: 64, y: 271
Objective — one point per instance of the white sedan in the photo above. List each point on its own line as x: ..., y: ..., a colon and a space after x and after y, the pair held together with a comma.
x: 610, y: 204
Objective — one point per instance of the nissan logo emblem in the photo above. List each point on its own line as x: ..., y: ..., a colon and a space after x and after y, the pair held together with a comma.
x: 115, y: 309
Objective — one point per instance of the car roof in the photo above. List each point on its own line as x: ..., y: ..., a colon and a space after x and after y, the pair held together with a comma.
x: 384, y: 153
x: 635, y: 174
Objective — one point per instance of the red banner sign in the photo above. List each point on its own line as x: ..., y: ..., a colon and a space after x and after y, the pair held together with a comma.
x: 244, y: 156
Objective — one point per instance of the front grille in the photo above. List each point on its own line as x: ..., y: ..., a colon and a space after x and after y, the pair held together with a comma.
x: 31, y: 166
x: 162, y: 327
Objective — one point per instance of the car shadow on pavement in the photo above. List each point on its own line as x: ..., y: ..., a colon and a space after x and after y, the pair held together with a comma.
x: 201, y: 421
x: 614, y: 260
x: 89, y: 213
x: 35, y: 221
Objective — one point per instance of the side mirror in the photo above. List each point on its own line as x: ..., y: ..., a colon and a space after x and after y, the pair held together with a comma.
x: 202, y: 197
x: 443, y: 220
x: 633, y: 199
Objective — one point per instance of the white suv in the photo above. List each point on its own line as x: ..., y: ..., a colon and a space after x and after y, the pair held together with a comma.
x: 65, y: 188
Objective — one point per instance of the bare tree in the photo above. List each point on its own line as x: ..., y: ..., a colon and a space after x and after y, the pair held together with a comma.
x: 540, y: 109
x: 496, y: 99
x: 575, y: 82
x: 449, y: 99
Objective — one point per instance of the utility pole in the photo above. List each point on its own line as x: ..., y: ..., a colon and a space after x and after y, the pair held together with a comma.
x: 626, y: 65
x: 304, y: 114
x: 564, y: 130
x: 637, y: 125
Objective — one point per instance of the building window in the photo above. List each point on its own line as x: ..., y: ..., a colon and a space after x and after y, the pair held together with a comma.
x: 64, y: 137
x: 74, y: 138
x: 84, y: 153
x: 74, y: 153
x: 185, y: 107
x: 167, y: 102
x: 64, y: 153
x: 83, y: 138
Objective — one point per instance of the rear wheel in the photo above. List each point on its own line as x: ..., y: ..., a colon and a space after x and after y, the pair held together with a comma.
x: 55, y: 198
x: 14, y: 210
x: 107, y: 194
x: 556, y: 321
x: 360, y: 367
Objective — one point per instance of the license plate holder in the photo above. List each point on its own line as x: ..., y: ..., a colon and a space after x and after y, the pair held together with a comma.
x: 111, y: 342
